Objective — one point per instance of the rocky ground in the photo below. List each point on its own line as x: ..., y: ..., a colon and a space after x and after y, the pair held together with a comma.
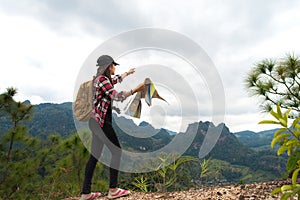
x: 241, y: 192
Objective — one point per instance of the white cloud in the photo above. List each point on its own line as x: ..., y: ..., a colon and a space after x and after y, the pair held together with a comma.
x: 44, y: 44
x: 39, y: 62
x: 248, y: 121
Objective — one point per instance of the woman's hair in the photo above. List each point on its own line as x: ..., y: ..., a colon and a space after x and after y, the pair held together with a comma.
x: 105, y: 73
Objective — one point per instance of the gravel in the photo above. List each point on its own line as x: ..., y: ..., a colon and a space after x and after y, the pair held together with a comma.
x: 251, y: 191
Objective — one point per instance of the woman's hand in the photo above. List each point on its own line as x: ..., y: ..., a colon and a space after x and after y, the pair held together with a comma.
x: 139, y: 87
x: 131, y: 71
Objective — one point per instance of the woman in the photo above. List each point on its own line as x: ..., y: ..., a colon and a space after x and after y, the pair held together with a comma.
x: 100, y: 124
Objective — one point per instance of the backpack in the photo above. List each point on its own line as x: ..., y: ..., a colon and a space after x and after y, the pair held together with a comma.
x: 82, y: 106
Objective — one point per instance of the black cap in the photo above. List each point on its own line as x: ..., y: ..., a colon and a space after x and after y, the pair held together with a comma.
x: 105, y: 60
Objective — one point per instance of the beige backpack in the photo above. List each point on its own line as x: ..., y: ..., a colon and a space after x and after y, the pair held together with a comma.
x: 82, y: 106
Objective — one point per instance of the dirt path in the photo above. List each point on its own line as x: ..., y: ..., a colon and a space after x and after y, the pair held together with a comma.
x: 234, y: 192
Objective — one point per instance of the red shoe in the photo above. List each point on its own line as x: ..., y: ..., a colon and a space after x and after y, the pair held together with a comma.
x: 90, y: 196
x: 118, y: 193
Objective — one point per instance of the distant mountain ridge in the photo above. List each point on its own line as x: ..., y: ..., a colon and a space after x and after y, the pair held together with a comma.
x: 48, y: 118
x: 241, y: 159
x: 256, y: 140
x: 235, y: 151
x: 58, y: 118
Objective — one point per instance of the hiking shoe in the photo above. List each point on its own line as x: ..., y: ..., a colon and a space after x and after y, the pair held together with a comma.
x: 90, y: 196
x: 118, y: 193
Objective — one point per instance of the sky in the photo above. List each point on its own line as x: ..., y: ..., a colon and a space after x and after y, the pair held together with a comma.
x: 44, y: 44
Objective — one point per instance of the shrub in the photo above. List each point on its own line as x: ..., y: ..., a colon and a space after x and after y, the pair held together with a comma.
x: 288, y: 139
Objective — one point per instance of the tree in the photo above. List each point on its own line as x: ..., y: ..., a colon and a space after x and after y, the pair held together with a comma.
x: 17, y: 149
x: 17, y: 112
x: 7, y: 97
x: 288, y: 139
x: 277, y: 82
x: 39, y: 169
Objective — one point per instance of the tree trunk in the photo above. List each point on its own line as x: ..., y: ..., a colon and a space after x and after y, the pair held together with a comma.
x: 11, y: 143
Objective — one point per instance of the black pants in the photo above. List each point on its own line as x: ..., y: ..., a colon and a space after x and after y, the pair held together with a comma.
x: 106, y: 136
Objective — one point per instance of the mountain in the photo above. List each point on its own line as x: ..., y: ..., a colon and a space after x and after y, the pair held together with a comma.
x: 169, y: 132
x: 228, y: 148
x: 52, y: 118
x: 237, y: 160
x: 256, y: 140
x: 143, y: 137
x: 233, y: 153
x: 48, y: 118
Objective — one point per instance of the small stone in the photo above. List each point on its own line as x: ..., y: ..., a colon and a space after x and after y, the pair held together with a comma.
x: 259, y: 187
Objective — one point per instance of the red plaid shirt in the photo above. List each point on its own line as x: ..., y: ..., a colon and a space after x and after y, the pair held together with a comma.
x: 104, y: 94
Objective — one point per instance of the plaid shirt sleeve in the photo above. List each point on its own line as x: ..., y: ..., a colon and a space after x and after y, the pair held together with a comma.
x: 109, y: 90
x: 104, y: 94
x: 117, y: 79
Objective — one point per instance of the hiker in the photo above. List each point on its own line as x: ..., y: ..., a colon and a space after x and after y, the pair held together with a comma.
x: 100, y: 124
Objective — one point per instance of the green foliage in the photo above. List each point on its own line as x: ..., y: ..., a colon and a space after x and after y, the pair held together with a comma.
x: 259, y: 141
x: 63, y: 164
x: 141, y: 183
x: 47, y: 118
x: 18, y: 162
x: 51, y: 166
x: 288, y: 139
x: 277, y: 82
x: 57, y: 118
x: 39, y: 169
x: 223, y: 172
x: 205, y: 170
x: 168, y: 172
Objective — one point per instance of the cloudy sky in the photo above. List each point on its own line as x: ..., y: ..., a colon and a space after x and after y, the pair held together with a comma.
x: 45, y: 43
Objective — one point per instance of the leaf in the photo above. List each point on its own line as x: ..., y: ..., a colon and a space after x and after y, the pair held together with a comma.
x: 286, y: 195
x: 289, y: 151
x: 295, y: 176
x: 292, y: 162
x: 296, y: 190
x: 279, y: 113
x: 268, y: 122
x: 162, y: 172
x: 279, y: 131
x: 281, y: 150
x: 291, y: 142
x: 182, y: 160
x: 295, y: 122
x: 170, y: 182
x: 286, y: 114
x: 283, y: 122
x: 286, y: 187
x: 276, y: 191
x: 278, y: 138
x: 276, y: 115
